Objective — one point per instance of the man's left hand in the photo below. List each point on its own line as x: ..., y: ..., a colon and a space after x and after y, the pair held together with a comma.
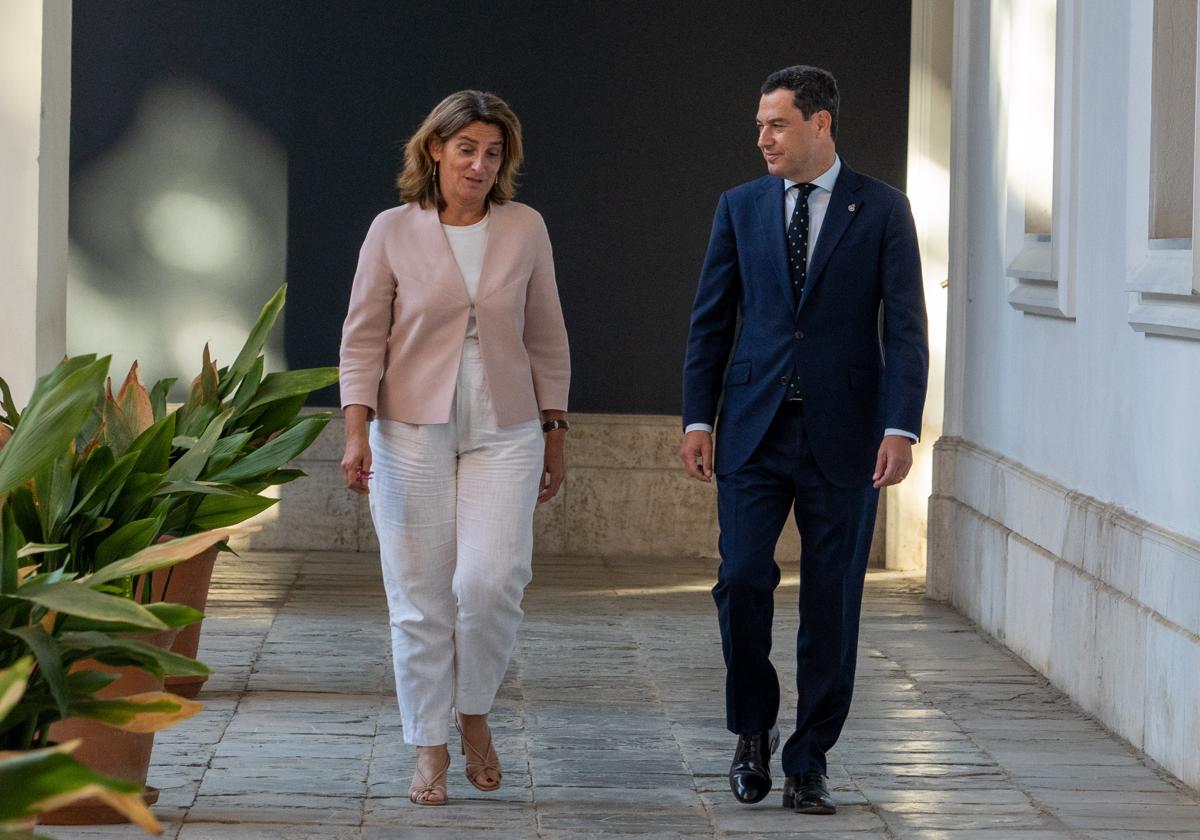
x: 893, y: 462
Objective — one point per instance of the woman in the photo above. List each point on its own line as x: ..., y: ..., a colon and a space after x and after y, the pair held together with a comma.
x: 454, y: 380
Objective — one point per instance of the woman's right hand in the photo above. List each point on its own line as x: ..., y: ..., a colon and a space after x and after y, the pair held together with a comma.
x: 356, y: 465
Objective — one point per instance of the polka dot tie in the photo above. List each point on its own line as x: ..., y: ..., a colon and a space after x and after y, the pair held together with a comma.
x: 797, y: 237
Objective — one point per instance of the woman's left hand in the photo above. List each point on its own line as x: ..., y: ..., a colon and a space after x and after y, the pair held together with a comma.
x: 555, y: 468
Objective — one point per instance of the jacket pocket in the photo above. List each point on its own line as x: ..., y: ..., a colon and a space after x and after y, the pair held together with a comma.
x: 739, y: 373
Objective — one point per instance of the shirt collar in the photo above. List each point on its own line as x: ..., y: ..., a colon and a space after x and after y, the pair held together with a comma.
x: 825, y: 180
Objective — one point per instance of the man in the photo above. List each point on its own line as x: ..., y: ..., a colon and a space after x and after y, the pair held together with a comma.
x: 820, y: 404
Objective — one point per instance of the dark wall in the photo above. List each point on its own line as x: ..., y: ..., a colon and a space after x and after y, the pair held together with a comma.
x: 637, y: 115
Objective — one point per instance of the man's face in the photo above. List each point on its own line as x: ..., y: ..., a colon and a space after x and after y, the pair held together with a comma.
x: 794, y: 148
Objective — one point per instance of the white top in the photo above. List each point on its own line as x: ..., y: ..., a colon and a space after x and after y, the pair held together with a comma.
x: 468, y: 242
x: 818, y: 203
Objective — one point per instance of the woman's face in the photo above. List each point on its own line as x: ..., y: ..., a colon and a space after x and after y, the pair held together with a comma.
x: 468, y: 163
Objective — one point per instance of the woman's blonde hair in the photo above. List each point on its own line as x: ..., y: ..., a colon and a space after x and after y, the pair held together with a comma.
x: 418, y: 180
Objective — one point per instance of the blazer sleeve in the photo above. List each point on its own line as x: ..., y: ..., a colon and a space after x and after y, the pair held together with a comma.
x: 368, y: 322
x: 545, y: 333
x: 905, y: 324
x: 714, y: 322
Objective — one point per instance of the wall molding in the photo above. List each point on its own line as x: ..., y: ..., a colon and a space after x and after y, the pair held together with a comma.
x: 1042, y: 269
x: 1103, y: 602
x: 1162, y: 277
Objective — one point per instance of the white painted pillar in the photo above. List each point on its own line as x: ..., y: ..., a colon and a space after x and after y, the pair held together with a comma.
x: 929, y: 192
x: 35, y: 116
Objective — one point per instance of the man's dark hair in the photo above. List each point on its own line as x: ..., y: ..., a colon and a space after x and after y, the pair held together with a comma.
x: 813, y: 89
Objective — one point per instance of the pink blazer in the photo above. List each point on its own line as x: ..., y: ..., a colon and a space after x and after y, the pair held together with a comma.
x: 403, y: 335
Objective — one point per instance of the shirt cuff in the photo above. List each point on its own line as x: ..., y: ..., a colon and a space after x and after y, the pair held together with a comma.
x: 698, y: 427
x: 902, y: 433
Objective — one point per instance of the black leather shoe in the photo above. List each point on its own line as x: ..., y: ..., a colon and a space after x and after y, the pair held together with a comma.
x: 805, y: 793
x: 750, y: 773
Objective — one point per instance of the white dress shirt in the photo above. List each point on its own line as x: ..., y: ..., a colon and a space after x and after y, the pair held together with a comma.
x: 818, y: 203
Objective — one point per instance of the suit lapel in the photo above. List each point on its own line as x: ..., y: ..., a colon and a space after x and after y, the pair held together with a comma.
x: 838, y: 217
x: 770, y: 216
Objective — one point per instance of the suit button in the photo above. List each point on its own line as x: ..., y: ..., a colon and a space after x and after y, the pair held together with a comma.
x: 783, y: 380
x: 799, y: 335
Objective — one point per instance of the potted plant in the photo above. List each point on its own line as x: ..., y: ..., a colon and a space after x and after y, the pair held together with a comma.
x: 52, y: 621
x: 38, y: 780
x: 140, y: 472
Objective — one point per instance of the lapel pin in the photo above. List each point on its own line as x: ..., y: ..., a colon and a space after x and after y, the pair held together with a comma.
x: 852, y: 207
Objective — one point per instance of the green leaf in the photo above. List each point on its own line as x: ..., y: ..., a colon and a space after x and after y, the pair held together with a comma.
x: 50, y: 665
x: 189, y: 467
x: 154, y: 446
x: 128, y: 540
x: 158, y: 397
x: 201, y: 488
x: 11, y: 416
x: 158, y: 556
x: 120, y: 712
x: 224, y: 511
x: 87, y: 681
x: 254, y: 341
x: 13, y: 680
x: 203, y: 401
x: 24, y: 510
x: 137, y: 491
x: 284, y: 476
x: 32, y: 780
x: 54, y: 490
x: 119, y: 651
x: 102, y: 523
x: 231, y: 444
x: 91, y: 469
x: 104, y: 492
x: 247, y: 389
x: 62, y: 400
x: 172, y: 615
x: 275, y: 453
x: 73, y: 598
x: 31, y: 549
x: 273, y: 418
x: 11, y: 540
x: 292, y: 383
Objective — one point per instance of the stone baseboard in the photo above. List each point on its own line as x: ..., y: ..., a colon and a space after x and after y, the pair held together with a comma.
x: 625, y: 494
x: 1105, y: 604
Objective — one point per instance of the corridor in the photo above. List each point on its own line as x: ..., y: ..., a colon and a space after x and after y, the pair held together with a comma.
x: 610, y: 723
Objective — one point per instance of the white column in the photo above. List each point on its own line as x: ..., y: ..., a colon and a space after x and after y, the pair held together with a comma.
x: 929, y: 192
x: 35, y: 116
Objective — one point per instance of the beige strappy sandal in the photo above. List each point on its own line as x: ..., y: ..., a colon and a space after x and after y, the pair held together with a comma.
x: 427, y: 792
x: 479, y: 761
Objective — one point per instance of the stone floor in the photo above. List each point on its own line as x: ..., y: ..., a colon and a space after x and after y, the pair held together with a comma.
x: 610, y: 723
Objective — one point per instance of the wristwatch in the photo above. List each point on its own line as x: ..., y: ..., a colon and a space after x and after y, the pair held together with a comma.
x: 551, y: 425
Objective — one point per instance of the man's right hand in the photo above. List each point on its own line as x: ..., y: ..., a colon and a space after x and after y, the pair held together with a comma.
x: 696, y: 452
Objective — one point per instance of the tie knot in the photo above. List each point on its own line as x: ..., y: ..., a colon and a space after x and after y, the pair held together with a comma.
x: 806, y: 189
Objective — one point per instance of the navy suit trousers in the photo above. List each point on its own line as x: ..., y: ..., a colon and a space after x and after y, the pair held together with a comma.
x: 836, y: 525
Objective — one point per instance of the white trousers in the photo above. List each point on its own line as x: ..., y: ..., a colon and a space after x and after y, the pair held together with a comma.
x: 453, y: 508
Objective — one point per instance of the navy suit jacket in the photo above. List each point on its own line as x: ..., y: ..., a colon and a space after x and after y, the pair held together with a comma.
x: 857, y: 340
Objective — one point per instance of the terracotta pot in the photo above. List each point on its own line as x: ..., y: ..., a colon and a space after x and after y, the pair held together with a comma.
x: 108, y: 750
x: 187, y: 583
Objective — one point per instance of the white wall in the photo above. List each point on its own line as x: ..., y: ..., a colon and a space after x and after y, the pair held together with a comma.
x: 906, y: 504
x: 1094, y: 404
x: 1064, y: 515
x: 35, y: 77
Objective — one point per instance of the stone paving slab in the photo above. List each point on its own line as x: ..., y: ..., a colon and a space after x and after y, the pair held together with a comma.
x: 610, y: 723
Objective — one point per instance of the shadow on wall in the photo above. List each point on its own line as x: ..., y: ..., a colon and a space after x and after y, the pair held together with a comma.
x: 178, y: 233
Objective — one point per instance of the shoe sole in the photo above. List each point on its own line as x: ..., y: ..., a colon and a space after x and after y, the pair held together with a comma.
x: 748, y: 801
x: 823, y: 810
